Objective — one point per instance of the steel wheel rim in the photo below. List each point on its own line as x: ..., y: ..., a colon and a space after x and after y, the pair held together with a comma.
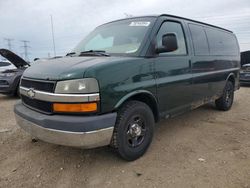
x: 136, y: 131
x: 229, y: 95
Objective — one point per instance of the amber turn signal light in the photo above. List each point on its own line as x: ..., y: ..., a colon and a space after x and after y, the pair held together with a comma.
x: 83, y: 107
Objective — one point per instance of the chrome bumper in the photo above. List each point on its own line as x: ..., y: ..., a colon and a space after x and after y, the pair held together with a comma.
x: 56, y: 97
x: 90, y: 139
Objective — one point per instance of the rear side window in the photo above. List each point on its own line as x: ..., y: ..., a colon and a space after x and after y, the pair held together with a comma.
x: 173, y: 27
x: 199, y: 40
x: 221, y: 42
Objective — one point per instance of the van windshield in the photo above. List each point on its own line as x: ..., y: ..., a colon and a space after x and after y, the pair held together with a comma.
x: 119, y: 37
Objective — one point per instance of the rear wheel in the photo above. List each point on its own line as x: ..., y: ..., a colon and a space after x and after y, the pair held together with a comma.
x: 226, y: 100
x: 133, y: 131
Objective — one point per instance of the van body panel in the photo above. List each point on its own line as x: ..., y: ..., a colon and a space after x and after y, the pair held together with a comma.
x: 210, y: 71
x: 117, y: 79
x: 140, y: 67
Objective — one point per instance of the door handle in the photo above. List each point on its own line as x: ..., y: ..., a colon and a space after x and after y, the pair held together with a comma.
x: 189, y: 63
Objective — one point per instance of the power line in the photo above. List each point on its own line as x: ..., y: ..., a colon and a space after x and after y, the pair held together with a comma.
x: 53, y: 37
x: 25, y: 47
x: 9, y: 42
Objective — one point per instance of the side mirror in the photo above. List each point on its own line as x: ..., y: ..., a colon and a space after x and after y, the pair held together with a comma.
x: 169, y: 43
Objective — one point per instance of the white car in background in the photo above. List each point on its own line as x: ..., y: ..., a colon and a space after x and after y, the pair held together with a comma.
x: 11, y: 72
x: 5, y: 65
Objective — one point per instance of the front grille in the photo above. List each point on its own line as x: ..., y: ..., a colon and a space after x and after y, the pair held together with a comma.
x: 47, y: 86
x: 42, y: 106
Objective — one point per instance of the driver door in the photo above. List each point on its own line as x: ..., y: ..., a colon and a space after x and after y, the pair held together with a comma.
x: 173, y: 72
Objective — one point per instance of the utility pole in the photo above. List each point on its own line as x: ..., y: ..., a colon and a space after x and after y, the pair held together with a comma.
x: 9, y: 42
x: 53, y: 37
x: 25, y: 47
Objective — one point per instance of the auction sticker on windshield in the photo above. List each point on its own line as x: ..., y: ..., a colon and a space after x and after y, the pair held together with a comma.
x: 145, y: 24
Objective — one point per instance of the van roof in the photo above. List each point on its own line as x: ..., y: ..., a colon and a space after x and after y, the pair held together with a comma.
x: 169, y: 15
x: 195, y: 21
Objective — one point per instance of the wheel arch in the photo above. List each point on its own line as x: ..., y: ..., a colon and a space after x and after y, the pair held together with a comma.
x: 231, y: 77
x: 143, y: 96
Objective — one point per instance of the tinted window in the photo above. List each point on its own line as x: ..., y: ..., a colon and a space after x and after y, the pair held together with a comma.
x: 221, y: 42
x: 173, y: 27
x: 199, y: 40
x: 3, y: 64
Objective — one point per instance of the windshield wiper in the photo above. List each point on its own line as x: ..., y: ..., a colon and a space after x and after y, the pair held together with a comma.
x: 94, y: 53
x: 70, y: 53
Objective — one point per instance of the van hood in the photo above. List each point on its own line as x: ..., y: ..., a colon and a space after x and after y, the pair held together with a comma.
x: 13, y: 58
x: 66, y: 68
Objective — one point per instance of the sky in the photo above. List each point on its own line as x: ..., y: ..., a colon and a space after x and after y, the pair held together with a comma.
x: 30, y: 20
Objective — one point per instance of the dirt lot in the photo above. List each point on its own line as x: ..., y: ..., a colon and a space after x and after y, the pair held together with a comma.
x: 202, y: 148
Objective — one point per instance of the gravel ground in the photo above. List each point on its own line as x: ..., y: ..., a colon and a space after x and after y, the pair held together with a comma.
x: 202, y: 148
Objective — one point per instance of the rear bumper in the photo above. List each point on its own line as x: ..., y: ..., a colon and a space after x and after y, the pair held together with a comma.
x: 76, y: 131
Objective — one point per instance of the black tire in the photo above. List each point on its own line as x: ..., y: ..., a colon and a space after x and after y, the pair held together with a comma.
x: 17, y: 91
x: 225, y: 102
x: 133, y: 131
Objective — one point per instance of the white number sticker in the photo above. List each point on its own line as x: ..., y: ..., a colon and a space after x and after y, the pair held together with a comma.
x: 144, y: 24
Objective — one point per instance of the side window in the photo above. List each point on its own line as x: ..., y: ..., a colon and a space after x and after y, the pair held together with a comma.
x: 173, y: 27
x: 199, y: 40
x: 221, y: 43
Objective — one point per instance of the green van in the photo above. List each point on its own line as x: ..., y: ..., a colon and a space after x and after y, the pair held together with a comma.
x: 123, y: 78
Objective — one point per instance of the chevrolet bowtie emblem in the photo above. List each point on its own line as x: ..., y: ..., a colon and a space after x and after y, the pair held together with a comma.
x: 31, y: 93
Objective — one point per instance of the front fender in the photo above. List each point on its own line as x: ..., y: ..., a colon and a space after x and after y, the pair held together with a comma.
x: 134, y: 93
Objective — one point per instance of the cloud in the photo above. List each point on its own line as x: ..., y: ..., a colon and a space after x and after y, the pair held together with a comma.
x: 30, y: 19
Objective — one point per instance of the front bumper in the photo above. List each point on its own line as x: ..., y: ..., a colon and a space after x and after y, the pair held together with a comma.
x: 8, y: 85
x: 5, y: 87
x: 76, y: 131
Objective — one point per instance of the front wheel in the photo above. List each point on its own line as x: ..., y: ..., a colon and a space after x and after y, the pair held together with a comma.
x: 225, y: 102
x: 134, y: 130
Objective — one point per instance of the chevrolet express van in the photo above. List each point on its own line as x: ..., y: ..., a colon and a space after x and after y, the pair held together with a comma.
x: 123, y: 78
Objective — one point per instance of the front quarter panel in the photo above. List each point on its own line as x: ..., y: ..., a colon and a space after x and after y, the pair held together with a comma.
x: 120, y: 78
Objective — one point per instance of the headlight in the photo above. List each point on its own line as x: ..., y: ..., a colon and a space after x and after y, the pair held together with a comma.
x: 7, y: 74
x: 85, y: 85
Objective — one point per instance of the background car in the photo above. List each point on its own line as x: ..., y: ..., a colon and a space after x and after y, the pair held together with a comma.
x: 10, y: 74
x: 245, y: 57
x: 245, y: 74
x: 4, y: 65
